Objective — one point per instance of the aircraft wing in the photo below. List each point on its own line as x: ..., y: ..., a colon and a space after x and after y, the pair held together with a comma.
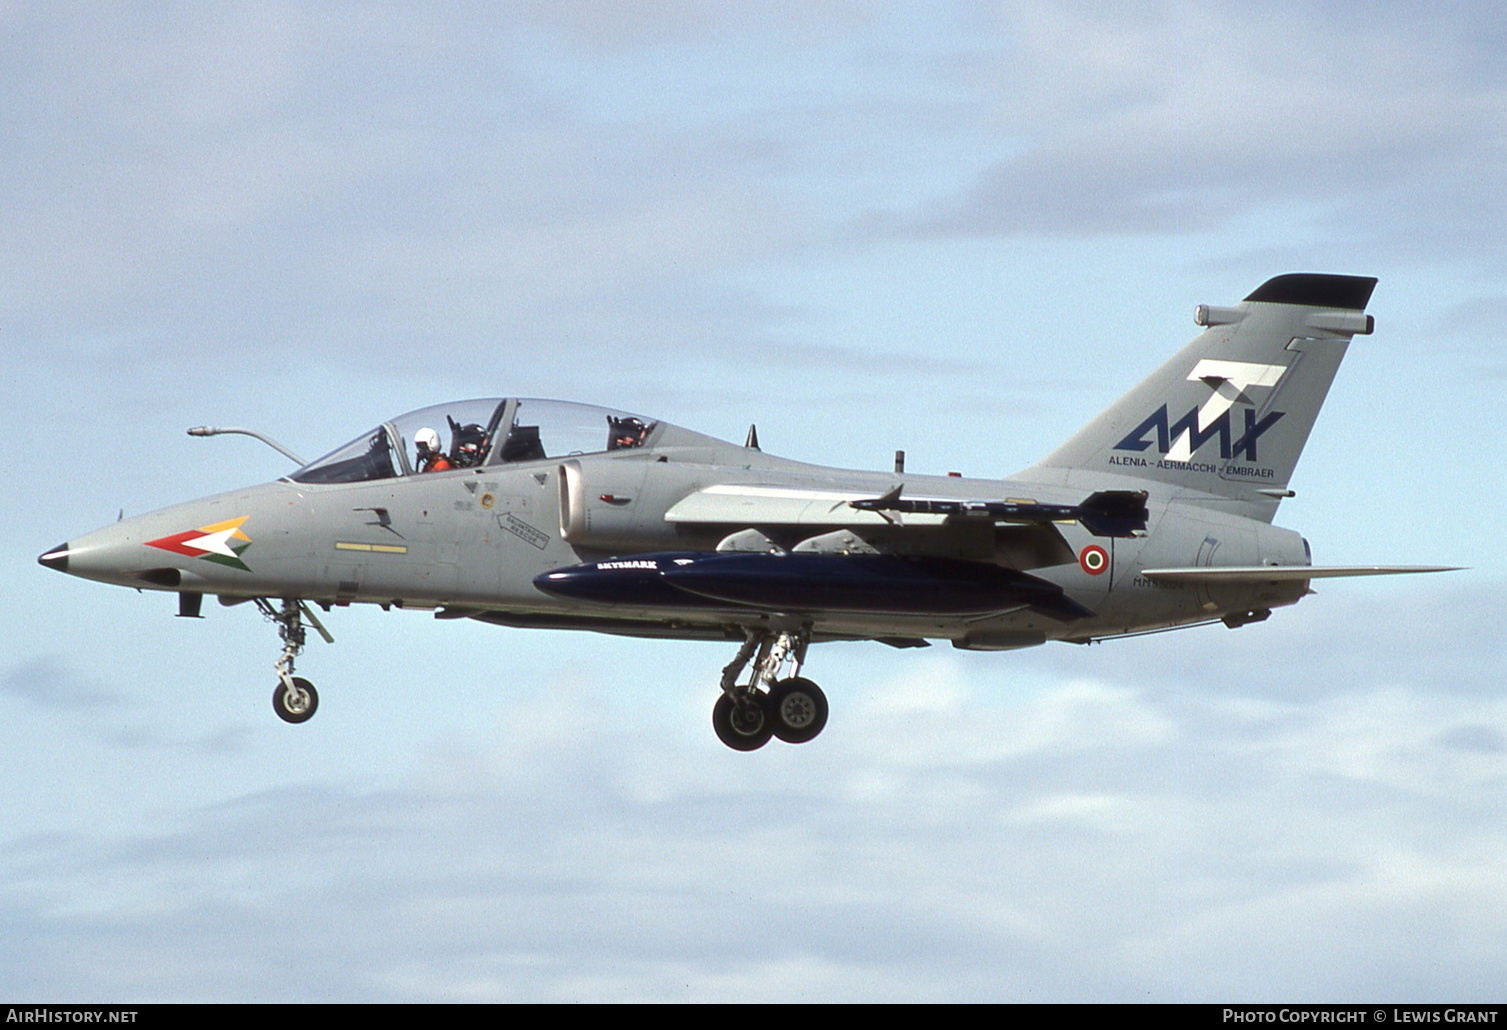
x: 1119, y: 513
x: 1280, y: 573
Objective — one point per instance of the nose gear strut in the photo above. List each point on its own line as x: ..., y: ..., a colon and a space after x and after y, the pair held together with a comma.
x: 791, y: 708
x: 294, y: 699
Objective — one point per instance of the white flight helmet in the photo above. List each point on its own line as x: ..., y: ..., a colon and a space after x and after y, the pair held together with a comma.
x: 427, y: 440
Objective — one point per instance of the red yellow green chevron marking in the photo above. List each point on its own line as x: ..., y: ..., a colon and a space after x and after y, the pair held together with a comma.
x: 212, y: 543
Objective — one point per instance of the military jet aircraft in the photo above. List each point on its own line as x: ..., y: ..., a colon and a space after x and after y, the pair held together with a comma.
x: 552, y: 515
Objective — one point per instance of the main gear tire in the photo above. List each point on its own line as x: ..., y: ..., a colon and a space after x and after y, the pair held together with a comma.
x: 798, y: 709
x: 745, y: 726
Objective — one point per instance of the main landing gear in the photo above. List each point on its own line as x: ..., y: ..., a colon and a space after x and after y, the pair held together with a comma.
x: 792, y: 709
x: 294, y: 699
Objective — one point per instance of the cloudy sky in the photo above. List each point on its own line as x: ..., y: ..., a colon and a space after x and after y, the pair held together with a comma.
x: 958, y: 231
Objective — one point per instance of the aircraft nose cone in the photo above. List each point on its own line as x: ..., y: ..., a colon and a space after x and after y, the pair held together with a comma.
x: 57, y: 558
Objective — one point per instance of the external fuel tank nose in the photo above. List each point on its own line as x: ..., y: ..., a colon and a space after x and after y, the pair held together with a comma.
x: 57, y: 558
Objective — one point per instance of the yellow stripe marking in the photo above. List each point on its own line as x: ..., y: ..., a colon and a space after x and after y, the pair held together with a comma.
x: 341, y: 545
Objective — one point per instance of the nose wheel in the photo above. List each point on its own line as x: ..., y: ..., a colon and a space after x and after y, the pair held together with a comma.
x: 792, y: 709
x: 294, y: 699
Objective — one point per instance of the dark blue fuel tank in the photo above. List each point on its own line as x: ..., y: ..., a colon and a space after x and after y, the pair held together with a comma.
x: 858, y: 583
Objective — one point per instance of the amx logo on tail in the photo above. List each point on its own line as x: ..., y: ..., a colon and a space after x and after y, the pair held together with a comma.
x: 1229, y: 381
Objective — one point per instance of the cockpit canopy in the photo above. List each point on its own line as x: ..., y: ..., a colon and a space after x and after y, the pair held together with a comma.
x: 476, y: 433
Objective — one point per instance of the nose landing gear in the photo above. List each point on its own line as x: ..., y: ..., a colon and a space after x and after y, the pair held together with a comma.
x: 792, y: 709
x: 294, y: 700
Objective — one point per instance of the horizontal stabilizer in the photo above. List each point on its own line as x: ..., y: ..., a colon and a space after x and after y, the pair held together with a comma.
x: 1281, y: 573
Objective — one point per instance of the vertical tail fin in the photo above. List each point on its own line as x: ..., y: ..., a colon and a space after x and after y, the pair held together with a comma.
x: 1229, y: 414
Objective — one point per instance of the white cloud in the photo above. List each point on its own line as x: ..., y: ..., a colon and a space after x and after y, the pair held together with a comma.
x: 1155, y: 119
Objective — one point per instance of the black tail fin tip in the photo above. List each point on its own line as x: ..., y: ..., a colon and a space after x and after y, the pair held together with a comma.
x: 1313, y: 289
